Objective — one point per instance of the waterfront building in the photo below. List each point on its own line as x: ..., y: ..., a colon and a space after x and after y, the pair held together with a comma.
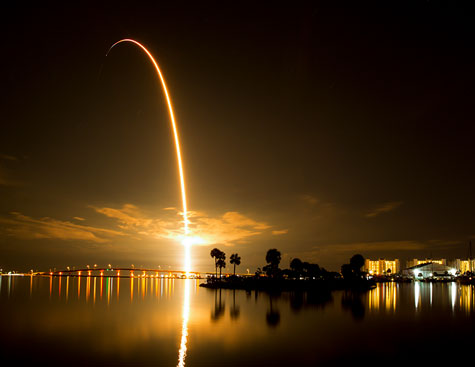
x: 463, y: 266
x: 381, y: 266
x: 415, y: 262
x: 429, y: 270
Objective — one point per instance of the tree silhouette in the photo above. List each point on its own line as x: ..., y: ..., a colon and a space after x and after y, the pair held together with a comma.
x: 273, y: 315
x: 234, y: 312
x: 297, y: 266
x: 221, y: 263
x: 219, y: 306
x: 215, y: 253
x: 273, y: 258
x: 357, y: 262
x: 235, y: 260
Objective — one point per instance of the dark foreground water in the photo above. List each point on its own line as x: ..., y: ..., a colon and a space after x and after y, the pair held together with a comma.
x: 164, y: 322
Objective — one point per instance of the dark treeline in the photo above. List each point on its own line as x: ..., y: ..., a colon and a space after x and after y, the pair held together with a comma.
x: 300, y: 275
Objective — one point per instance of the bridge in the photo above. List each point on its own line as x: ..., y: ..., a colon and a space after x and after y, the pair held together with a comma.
x: 132, y: 273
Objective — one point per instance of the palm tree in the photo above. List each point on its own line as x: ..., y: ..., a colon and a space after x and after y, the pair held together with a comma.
x: 236, y: 260
x: 221, y: 263
x: 215, y: 253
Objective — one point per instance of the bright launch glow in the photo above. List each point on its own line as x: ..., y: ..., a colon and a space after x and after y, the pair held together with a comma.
x: 187, y: 244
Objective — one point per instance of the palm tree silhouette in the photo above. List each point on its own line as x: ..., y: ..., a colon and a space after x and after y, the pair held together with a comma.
x: 221, y: 263
x: 216, y: 254
x: 235, y: 260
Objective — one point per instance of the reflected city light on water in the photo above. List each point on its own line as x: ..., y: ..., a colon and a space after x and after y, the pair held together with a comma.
x: 453, y: 294
x: 417, y: 294
x: 168, y: 322
x: 67, y: 288
x: 383, y: 297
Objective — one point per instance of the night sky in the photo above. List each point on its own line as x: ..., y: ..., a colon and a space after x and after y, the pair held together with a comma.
x: 321, y: 129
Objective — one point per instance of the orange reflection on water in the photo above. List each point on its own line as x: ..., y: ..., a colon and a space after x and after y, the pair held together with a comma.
x: 184, y: 327
x: 467, y: 298
x: 79, y: 287
x: 143, y: 287
x: 67, y: 288
x: 131, y: 289
x: 156, y: 287
x: 94, y: 296
x: 88, y: 288
x: 109, y: 289
x: 384, y: 296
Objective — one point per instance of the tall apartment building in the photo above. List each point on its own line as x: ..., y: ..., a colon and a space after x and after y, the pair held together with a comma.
x: 381, y: 266
x: 463, y: 265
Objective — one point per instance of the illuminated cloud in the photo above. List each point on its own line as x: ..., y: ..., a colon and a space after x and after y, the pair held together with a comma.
x: 135, y: 224
x: 228, y: 229
x: 279, y: 232
x: 24, y: 227
x: 387, y: 207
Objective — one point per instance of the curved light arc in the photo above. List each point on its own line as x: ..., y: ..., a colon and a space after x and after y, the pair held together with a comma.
x: 173, y: 123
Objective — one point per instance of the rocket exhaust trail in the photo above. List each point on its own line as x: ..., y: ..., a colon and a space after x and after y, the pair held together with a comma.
x: 175, y: 134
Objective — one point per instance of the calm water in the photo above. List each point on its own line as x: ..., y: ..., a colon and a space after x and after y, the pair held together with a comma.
x: 164, y: 322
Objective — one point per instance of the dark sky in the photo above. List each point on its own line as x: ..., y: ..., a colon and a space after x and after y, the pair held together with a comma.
x: 321, y: 129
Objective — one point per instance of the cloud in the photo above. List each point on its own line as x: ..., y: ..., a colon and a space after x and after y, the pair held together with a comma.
x: 227, y: 229
x: 384, y: 208
x: 24, y: 227
x: 133, y: 223
x: 280, y: 232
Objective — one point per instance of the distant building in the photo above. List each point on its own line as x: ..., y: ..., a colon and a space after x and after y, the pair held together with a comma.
x: 415, y: 262
x: 381, y: 266
x: 429, y: 270
x: 463, y: 265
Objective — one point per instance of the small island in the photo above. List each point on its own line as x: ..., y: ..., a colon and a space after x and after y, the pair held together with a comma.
x: 301, y: 276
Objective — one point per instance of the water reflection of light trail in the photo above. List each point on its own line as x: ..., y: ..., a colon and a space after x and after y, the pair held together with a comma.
x: 186, y: 241
x: 453, y: 294
x: 417, y: 291
x: 184, y: 327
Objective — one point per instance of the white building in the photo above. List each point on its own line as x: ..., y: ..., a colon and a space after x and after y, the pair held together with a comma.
x: 415, y: 262
x: 429, y: 270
